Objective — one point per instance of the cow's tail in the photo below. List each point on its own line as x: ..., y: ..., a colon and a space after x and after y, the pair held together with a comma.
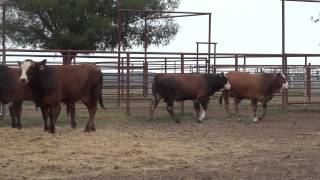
x: 100, y: 87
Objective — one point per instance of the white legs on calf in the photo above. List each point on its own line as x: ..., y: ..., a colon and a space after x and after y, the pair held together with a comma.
x: 202, y: 116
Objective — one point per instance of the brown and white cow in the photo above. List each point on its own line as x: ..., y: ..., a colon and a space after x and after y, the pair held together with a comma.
x: 180, y: 87
x: 256, y: 87
x: 14, y: 92
x: 51, y: 85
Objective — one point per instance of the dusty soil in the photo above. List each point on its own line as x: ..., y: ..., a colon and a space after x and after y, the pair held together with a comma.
x: 286, y: 145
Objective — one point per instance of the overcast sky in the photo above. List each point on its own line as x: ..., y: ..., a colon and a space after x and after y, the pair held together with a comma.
x: 248, y: 26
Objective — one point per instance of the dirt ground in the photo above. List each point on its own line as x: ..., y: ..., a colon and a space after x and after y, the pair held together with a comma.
x: 285, y: 145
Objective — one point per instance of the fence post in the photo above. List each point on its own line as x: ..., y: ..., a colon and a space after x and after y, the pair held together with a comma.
x: 308, y: 83
x: 197, y: 57
x: 182, y: 72
x: 236, y: 68
x: 285, y: 92
x: 165, y: 65
x: 244, y: 64
x: 122, y: 78
x: 128, y: 85
x: 145, y: 79
x: 3, y: 108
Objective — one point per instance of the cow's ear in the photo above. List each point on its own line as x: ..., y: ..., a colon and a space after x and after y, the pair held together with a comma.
x: 42, y: 64
x: 222, y: 74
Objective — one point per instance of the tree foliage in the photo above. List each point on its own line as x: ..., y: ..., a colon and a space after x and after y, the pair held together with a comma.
x: 86, y: 24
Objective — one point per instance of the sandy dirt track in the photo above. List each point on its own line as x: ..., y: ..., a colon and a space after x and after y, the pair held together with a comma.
x: 286, y: 145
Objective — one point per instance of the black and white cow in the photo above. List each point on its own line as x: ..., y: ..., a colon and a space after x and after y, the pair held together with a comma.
x: 180, y: 87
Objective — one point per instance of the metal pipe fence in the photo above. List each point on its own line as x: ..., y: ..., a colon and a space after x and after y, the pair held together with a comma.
x: 128, y: 84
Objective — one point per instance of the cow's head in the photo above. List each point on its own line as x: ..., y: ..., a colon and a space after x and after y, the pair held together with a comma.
x: 29, y: 68
x: 282, y: 82
x: 225, y: 80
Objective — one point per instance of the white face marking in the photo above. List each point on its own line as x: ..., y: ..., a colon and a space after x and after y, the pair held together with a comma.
x: 284, y: 86
x: 227, y: 86
x: 202, y: 116
x: 25, y: 65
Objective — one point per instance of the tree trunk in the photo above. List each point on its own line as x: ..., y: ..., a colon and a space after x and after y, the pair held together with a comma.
x: 68, y: 57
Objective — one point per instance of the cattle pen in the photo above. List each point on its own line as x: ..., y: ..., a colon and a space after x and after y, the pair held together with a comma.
x: 285, y: 144
x: 128, y: 83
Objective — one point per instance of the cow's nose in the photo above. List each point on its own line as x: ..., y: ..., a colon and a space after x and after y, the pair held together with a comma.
x: 23, y: 80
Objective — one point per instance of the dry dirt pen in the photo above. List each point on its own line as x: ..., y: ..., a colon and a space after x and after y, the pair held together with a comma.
x: 285, y: 145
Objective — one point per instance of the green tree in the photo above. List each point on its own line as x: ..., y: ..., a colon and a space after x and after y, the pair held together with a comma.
x: 87, y: 24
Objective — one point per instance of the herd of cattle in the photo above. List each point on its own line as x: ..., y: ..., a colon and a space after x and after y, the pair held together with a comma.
x: 47, y: 86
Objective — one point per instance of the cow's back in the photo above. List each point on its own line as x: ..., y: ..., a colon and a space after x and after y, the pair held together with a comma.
x: 179, y: 86
x: 75, y: 81
x: 245, y: 85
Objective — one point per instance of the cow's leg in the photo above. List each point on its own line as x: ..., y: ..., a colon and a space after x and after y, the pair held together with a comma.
x: 13, y: 117
x: 72, y: 110
x: 44, y: 112
x: 91, y: 124
x: 17, y: 113
x: 264, y: 106
x: 236, y: 103
x: 171, y: 112
x: 204, y: 104
x: 196, y: 108
x: 154, y: 105
x: 254, y: 109
x: 91, y: 104
x: 226, y: 103
x: 54, y: 112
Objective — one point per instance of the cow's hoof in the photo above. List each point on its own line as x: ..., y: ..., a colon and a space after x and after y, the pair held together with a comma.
x: 87, y: 130
x: 51, y: 131
x: 255, y: 120
x: 177, y: 121
x: 199, y: 121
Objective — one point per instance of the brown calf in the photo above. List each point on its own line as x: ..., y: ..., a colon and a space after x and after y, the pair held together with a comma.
x: 256, y: 87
